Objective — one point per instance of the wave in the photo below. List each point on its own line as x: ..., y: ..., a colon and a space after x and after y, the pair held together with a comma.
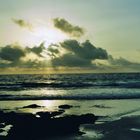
x: 69, y: 97
x: 69, y: 85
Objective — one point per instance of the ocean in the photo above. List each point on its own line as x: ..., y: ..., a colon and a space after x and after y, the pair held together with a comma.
x: 70, y: 86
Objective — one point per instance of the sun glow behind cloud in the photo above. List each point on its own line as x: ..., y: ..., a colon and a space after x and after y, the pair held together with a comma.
x: 48, y: 35
x: 56, y: 43
x: 40, y: 32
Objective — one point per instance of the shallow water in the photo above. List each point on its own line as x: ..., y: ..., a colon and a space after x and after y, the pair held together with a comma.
x: 109, y: 110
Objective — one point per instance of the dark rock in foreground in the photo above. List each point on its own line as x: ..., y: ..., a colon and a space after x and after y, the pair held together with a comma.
x: 43, y: 124
x: 32, y: 106
x: 50, y: 114
x: 65, y: 106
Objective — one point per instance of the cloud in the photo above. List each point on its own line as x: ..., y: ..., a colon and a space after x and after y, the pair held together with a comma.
x: 119, y: 61
x: 53, y: 50
x: 77, y: 54
x: 10, y: 56
x: 68, y: 28
x: 66, y: 54
x: 11, y: 53
x: 117, y: 65
x: 84, y: 50
x: 22, y: 23
x: 70, y: 60
x: 17, y: 56
x: 69, y: 53
x: 123, y: 63
x: 37, y: 49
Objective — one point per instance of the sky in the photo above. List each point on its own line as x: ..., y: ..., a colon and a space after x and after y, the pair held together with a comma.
x: 111, y: 25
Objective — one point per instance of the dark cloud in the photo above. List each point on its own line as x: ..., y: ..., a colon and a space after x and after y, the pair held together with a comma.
x: 37, y: 49
x: 53, y: 50
x: 11, y: 53
x: 78, y: 54
x: 71, y: 60
x: 10, y: 56
x: 69, y: 53
x: 22, y: 23
x: 17, y: 56
x: 85, y: 50
x: 68, y: 28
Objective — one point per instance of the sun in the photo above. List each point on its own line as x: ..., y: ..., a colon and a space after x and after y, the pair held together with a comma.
x: 48, y: 34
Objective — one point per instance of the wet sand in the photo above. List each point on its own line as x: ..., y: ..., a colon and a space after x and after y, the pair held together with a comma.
x: 118, y: 119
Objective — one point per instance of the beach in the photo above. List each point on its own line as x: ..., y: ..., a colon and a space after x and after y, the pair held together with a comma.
x: 72, y: 107
x: 117, y: 118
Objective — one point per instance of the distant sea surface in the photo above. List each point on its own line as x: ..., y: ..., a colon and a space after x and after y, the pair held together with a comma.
x: 70, y: 86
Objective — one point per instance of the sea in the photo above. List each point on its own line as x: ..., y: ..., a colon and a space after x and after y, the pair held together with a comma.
x: 70, y: 86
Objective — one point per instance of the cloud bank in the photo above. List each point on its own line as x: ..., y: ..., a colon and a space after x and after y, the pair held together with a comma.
x: 17, y: 56
x: 69, y: 53
x: 78, y: 54
x: 68, y: 28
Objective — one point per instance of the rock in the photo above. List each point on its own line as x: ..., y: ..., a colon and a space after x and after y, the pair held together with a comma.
x: 32, y: 106
x: 2, y: 125
x: 50, y: 114
x: 65, y: 106
x: 1, y: 130
x: 28, y: 126
x: 101, y: 106
x: 70, y: 124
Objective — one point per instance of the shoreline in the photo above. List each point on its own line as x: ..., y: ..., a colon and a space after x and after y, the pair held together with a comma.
x: 68, y: 98
x: 112, y: 114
